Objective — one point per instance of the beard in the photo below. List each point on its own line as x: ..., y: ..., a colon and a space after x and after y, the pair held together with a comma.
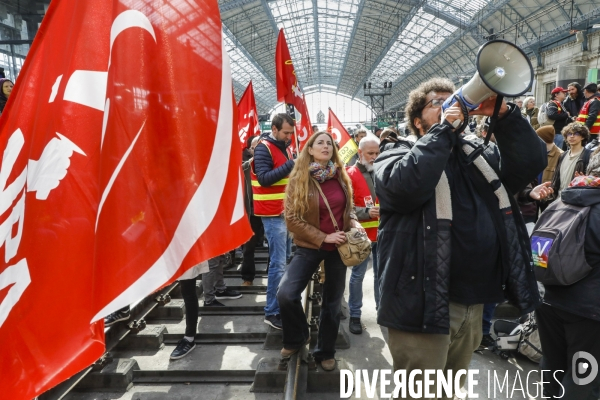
x: 368, y: 166
x: 425, y: 126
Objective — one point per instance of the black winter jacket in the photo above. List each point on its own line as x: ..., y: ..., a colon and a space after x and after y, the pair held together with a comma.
x: 263, y: 163
x: 581, y: 298
x: 560, y: 118
x: 413, y: 245
x: 573, y: 106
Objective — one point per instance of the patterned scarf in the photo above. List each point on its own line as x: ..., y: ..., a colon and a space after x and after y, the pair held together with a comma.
x: 321, y: 173
x: 585, y: 181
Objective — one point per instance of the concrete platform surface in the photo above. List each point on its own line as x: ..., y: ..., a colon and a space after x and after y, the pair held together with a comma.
x: 368, y: 351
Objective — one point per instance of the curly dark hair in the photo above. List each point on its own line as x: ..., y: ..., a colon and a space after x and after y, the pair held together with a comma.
x: 576, y: 127
x: 417, y: 99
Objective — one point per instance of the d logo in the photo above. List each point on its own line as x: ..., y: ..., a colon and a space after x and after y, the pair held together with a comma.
x: 580, y: 367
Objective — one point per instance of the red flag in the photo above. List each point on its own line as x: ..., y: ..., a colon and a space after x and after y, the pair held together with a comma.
x: 247, y: 116
x: 348, y: 147
x: 288, y: 90
x: 120, y: 170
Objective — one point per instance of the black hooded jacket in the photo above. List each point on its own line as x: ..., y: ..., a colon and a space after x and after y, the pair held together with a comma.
x: 573, y: 106
x: 558, y: 115
x: 582, y: 298
x: 414, y: 258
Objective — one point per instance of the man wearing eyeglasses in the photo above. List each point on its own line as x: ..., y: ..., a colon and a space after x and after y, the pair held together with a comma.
x: 451, y: 234
x: 574, y: 160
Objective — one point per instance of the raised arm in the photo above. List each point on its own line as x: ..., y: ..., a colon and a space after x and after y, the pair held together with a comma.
x: 523, y: 153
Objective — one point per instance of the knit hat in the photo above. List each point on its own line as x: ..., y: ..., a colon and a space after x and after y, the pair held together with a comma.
x: 546, y: 133
x: 594, y: 164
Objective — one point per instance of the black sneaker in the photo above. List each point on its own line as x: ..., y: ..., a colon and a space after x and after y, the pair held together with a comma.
x: 115, y: 317
x: 487, y: 341
x: 227, y: 294
x: 214, y: 303
x: 274, y: 321
x: 182, y: 349
x: 355, y: 325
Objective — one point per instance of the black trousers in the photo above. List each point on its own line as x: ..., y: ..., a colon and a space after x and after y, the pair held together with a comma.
x: 190, y: 299
x: 248, y: 265
x: 563, y: 334
x: 294, y: 281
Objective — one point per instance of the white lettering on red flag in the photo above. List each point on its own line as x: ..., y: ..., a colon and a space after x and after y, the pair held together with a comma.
x: 288, y: 91
x: 248, y: 124
x: 120, y: 171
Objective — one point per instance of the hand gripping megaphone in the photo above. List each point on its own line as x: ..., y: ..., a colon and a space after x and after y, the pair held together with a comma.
x: 503, y: 69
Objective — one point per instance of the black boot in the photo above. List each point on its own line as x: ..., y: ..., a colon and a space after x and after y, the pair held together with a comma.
x: 355, y: 325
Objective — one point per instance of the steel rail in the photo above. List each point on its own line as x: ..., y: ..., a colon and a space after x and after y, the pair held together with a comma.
x: 297, y: 376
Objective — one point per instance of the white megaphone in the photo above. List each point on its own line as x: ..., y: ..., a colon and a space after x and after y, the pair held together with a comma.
x: 502, y: 69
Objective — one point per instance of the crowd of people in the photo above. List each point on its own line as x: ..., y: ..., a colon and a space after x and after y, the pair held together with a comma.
x: 449, y: 218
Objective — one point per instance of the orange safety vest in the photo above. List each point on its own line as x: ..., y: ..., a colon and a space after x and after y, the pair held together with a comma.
x: 362, y: 195
x: 268, y: 201
x: 583, y: 116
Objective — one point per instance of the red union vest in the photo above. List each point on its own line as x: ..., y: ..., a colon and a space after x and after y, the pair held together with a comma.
x: 268, y: 201
x: 583, y: 116
x: 361, y: 195
x: 558, y: 105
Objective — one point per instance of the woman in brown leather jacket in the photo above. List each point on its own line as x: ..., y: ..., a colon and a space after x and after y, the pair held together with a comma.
x: 310, y: 222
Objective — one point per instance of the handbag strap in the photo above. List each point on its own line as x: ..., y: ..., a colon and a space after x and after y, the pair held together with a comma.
x: 335, y: 225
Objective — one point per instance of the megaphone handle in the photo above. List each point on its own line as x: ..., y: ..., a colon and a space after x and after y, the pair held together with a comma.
x: 493, y: 119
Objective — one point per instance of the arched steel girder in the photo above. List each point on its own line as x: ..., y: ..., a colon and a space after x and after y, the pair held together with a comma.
x: 317, y: 46
x: 520, y: 30
x: 564, y: 13
x: 351, y: 42
x: 484, y: 14
x: 270, y: 17
x: 388, y: 46
x: 245, y: 52
x: 233, y: 4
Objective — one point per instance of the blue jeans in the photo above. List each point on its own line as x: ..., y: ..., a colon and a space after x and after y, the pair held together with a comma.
x: 559, y: 140
x: 300, y: 271
x: 277, y: 235
x: 488, y: 314
x: 356, y: 280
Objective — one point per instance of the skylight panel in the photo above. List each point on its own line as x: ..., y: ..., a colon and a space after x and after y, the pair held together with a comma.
x: 243, y: 70
x: 422, y: 34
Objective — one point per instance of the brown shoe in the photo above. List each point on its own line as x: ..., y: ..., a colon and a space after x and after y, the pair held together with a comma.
x: 328, y: 365
x: 285, y: 353
x: 247, y: 283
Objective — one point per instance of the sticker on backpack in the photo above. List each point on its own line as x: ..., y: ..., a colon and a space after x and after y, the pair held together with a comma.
x: 540, y: 249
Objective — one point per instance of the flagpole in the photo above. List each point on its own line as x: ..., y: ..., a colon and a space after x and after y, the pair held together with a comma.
x: 295, y: 134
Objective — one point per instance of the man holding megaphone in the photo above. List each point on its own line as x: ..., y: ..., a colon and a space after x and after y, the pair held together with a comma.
x: 451, y: 236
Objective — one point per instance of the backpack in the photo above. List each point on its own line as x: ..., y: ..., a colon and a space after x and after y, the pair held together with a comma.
x: 543, y: 119
x: 557, y: 244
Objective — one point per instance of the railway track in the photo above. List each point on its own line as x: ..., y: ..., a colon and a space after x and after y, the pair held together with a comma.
x: 236, y: 352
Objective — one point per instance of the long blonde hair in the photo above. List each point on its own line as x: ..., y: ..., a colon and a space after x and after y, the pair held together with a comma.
x: 296, y: 194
